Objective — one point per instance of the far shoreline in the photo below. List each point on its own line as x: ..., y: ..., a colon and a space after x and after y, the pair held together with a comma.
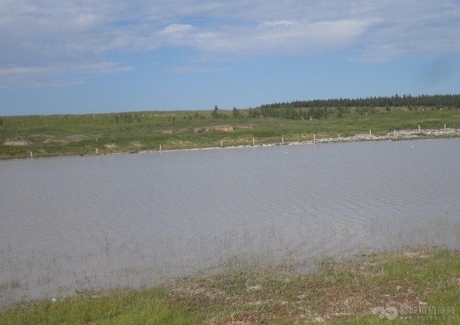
x: 396, y: 135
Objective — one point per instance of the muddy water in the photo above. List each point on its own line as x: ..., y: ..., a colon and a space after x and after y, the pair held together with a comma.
x: 128, y: 220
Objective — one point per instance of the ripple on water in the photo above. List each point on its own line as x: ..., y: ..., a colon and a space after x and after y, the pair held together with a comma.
x: 76, y: 223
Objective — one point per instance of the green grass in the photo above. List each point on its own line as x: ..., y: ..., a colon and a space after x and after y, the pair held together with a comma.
x: 115, y: 307
x: 59, y: 135
x: 423, y: 284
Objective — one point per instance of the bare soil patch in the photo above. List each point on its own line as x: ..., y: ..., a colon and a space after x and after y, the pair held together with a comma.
x: 16, y: 143
x: 77, y: 137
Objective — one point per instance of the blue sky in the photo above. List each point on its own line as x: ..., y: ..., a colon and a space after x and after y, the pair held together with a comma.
x: 82, y: 56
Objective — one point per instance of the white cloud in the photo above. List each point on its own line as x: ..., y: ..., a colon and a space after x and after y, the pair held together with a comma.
x: 195, y: 69
x: 54, y: 75
x: 175, y: 29
x: 424, y: 28
x: 86, y: 21
x: 275, y: 23
x: 52, y: 39
x: 286, y: 37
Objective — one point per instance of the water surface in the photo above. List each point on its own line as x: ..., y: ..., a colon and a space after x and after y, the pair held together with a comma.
x: 77, y: 223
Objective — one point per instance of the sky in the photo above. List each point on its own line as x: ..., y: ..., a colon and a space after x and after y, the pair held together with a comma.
x: 96, y: 56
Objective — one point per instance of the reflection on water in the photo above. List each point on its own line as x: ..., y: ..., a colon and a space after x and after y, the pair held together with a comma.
x: 87, y: 222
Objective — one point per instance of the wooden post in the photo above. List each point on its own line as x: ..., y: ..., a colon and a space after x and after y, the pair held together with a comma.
x: 314, y: 137
x: 445, y: 126
x: 253, y: 142
x: 370, y: 132
x: 160, y: 147
x: 97, y: 151
x: 221, y: 143
x: 419, y: 128
x: 31, y: 155
x: 282, y: 139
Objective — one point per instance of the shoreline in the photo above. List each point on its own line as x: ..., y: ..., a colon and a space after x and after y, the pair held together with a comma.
x: 400, y: 135
x: 396, y: 135
x: 414, y: 284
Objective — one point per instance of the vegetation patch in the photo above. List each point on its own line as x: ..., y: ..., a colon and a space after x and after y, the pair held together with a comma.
x: 299, y: 121
x: 412, y: 286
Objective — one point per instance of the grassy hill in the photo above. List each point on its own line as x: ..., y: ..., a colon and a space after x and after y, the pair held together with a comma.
x: 59, y: 135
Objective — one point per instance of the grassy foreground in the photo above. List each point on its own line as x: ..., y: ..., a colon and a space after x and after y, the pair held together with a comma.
x: 60, y: 135
x: 414, y: 286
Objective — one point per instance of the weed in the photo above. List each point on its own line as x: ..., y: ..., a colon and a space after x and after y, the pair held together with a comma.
x: 414, y: 286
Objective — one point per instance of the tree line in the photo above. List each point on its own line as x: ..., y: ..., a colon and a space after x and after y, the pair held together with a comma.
x: 451, y: 101
x: 321, y: 108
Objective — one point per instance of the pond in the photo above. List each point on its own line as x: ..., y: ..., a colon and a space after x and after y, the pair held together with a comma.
x: 81, y: 223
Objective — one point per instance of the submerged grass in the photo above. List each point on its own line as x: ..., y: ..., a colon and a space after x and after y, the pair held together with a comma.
x: 412, y: 286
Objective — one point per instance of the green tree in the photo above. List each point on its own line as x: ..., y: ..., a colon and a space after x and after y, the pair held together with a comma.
x: 214, y: 113
x: 236, y: 112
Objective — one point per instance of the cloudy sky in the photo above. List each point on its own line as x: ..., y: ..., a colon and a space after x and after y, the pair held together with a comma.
x: 82, y: 56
